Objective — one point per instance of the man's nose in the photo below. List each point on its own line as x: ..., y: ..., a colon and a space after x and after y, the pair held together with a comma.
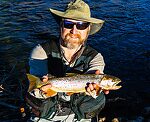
x: 74, y: 30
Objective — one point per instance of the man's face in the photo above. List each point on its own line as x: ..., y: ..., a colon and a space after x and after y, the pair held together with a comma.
x: 74, y: 33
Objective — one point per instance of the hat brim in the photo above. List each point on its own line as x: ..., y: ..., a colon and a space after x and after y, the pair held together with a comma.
x: 95, y: 26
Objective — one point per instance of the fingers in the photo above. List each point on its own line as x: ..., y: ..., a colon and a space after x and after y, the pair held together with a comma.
x: 92, y: 89
x: 97, y: 72
x: 106, y: 91
x: 44, y: 78
x: 47, y: 91
x: 45, y: 88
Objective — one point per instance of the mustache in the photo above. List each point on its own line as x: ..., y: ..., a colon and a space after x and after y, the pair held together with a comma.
x: 74, y: 35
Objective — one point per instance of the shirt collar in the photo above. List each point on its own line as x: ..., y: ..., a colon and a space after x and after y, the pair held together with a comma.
x: 76, y: 55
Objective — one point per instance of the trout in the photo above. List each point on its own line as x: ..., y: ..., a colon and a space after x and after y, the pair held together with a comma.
x: 74, y: 83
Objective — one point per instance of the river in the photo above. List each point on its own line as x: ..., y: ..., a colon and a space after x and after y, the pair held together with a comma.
x: 124, y: 39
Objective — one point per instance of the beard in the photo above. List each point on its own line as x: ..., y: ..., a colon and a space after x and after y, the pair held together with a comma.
x: 72, y: 41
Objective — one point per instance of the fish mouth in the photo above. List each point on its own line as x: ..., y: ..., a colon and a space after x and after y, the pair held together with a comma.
x: 117, y: 81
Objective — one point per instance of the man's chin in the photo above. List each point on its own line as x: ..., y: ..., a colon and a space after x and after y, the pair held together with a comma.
x: 72, y: 46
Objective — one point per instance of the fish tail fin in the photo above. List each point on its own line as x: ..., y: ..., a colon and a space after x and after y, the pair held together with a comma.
x: 32, y: 77
x: 33, y: 81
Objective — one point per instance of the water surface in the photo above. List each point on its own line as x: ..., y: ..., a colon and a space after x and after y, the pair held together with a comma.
x: 123, y: 40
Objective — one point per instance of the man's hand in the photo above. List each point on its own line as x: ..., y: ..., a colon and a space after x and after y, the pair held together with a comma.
x: 44, y: 78
x: 45, y: 88
x: 94, y: 87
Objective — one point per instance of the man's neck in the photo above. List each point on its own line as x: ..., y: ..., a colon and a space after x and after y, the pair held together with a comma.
x: 68, y: 53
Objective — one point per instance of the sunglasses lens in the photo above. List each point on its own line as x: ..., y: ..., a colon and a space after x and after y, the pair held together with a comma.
x: 68, y: 24
x: 79, y: 25
x: 82, y: 25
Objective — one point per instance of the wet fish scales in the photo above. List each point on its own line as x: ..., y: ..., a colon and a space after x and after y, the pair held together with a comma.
x: 76, y: 83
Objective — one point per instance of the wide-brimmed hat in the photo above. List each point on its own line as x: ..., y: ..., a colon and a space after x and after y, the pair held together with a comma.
x: 79, y: 10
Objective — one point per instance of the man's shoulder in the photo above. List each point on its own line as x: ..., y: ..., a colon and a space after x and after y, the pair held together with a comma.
x: 50, y: 45
x: 90, y: 49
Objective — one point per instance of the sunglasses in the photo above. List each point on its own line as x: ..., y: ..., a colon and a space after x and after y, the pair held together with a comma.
x: 79, y: 25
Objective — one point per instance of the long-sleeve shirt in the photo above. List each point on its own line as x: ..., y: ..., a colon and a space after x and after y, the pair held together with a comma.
x: 38, y: 62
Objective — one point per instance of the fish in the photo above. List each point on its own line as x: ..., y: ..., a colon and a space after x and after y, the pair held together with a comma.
x: 74, y: 83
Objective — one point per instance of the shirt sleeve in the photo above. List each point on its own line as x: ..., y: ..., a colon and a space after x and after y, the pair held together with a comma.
x: 97, y: 63
x: 38, y: 62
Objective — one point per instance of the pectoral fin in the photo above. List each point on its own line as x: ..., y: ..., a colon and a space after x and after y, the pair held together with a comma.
x: 50, y: 93
x: 69, y: 93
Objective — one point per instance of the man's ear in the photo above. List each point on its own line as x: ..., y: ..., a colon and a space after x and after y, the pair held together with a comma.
x: 90, y: 26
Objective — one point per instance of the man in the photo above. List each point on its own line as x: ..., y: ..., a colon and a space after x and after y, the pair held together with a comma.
x: 69, y: 54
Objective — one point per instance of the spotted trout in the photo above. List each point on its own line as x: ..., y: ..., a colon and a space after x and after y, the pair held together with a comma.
x: 74, y: 83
